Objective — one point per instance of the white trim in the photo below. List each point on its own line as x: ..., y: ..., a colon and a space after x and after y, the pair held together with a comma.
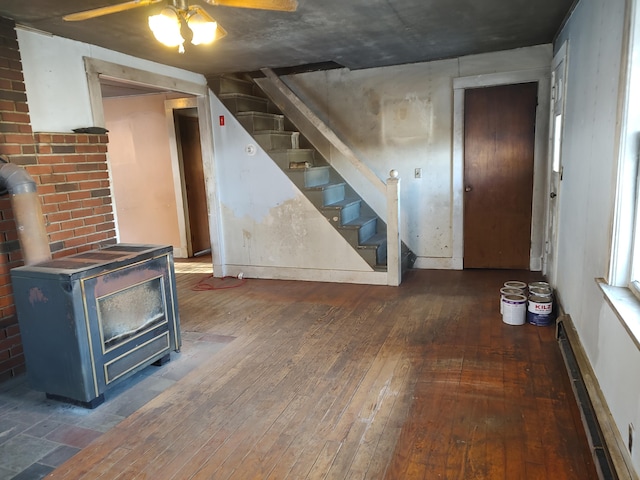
x: 539, y: 204
x: 306, y: 274
x: 97, y: 69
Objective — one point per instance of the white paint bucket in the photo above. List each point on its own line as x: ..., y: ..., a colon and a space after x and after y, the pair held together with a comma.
x: 509, y: 291
x: 540, y: 310
x: 515, y: 284
x: 540, y: 285
x: 514, y: 309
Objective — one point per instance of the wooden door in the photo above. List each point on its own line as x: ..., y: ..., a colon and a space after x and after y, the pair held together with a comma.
x: 194, y: 185
x: 499, y: 124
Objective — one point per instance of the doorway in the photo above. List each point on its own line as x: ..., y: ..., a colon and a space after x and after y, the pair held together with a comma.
x: 194, y: 191
x: 499, y: 141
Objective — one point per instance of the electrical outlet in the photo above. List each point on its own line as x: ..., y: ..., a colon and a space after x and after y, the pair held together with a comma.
x: 631, y: 435
x: 417, y: 173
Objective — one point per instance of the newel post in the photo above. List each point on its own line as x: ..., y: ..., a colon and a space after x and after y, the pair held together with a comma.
x: 394, y: 258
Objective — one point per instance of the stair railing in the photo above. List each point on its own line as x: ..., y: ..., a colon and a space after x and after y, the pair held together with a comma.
x: 316, y: 131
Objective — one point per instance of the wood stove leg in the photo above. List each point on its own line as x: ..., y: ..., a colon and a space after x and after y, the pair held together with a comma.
x: 161, y: 361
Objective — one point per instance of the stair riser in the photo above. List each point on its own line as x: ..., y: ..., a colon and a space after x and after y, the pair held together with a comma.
x: 222, y: 85
x: 326, y: 196
x: 339, y: 216
x: 244, y: 104
x: 374, y: 256
x: 278, y: 141
x: 366, y: 231
x: 316, y: 177
x: 285, y: 158
x: 255, y: 124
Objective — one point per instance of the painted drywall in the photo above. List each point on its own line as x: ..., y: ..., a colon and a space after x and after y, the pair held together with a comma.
x: 589, y: 156
x: 270, y: 228
x: 141, y: 171
x: 56, y: 82
x: 401, y: 118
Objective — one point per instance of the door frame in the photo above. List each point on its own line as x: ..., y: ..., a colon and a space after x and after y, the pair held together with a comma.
x: 550, y: 261
x: 97, y: 69
x: 171, y: 106
x: 538, y: 205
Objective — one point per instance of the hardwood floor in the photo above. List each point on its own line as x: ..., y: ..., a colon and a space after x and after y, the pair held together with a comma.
x: 325, y: 380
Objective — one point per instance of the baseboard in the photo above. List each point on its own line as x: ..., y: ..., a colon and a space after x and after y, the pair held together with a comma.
x: 304, y: 274
x: 609, y: 451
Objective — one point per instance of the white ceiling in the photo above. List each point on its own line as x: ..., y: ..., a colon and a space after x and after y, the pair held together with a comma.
x: 351, y: 33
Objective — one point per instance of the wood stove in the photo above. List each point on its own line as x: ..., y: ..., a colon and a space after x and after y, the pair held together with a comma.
x: 90, y: 320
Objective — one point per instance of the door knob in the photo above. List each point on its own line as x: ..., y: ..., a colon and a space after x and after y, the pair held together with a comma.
x: 553, y: 194
x: 468, y: 188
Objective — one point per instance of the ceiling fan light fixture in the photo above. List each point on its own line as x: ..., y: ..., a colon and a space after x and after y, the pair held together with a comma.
x: 166, y: 28
x: 204, y: 30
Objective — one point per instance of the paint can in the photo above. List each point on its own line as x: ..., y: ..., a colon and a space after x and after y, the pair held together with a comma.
x: 540, y: 310
x: 540, y: 285
x: 515, y: 284
x: 514, y: 309
x: 509, y: 291
x: 540, y: 291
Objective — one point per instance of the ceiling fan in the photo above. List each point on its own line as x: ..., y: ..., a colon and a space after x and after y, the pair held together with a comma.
x: 166, y: 26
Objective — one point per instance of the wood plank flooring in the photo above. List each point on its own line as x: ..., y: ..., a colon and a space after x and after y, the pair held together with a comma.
x: 334, y: 381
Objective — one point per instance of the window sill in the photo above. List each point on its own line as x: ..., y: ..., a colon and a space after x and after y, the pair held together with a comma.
x: 625, y: 305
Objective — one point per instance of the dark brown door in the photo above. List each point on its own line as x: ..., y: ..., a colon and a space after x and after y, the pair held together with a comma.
x: 499, y: 127
x: 194, y: 183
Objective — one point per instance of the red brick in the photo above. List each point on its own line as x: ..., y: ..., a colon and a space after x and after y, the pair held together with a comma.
x: 63, y: 168
x: 71, y: 224
x: 70, y: 206
x: 84, y: 231
x: 15, y: 117
x: 55, y: 198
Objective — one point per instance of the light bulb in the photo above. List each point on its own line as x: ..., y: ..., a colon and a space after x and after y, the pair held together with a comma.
x: 166, y: 28
x: 204, y: 31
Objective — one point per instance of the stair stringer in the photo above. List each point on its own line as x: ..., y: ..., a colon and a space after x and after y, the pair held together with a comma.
x: 266, y: 218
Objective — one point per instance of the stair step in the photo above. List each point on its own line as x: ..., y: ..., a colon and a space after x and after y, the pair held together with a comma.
x: 284, y: 158
x: 343, y: 212
x: 257, y: 121
x: 240, y: 102
x: 222, y: 84
x: 276, y: 140
x: 309, y: 176
x: 326, y: 194
x: 364, y: 228
x: 375, y: 249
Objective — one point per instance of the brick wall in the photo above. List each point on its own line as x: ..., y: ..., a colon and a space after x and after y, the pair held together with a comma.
x: 70, y: 171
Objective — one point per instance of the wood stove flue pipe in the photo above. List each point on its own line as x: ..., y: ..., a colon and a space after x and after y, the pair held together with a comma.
x: 27, y: 212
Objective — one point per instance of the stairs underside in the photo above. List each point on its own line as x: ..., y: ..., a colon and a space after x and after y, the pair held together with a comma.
x: 321, y: 184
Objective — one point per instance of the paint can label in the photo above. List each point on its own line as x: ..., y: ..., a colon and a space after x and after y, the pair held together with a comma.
x: 540, y: 311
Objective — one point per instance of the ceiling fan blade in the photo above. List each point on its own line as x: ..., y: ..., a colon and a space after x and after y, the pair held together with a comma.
x: 98, y: 12
x: 280, y: 5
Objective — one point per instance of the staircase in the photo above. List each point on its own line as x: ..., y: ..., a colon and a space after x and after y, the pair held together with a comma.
x: 308, y: 170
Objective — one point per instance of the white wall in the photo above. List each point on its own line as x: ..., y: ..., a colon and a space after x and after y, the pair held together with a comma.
x: 270, y: 228
x: 56, y: 82
x: 590, y: 149
x: 141, y: 171
x: 402, y: 118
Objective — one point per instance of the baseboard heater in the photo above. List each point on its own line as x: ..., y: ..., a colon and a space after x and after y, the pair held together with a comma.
x: 601, y: 454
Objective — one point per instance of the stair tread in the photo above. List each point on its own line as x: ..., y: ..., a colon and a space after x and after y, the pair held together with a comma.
x: 242, y: 95
x: 259, y: 114
x: 358, y: 222
x: 275, y: 132
x: 342, y: 203
x: 374, y: 240
x: 326, y: 185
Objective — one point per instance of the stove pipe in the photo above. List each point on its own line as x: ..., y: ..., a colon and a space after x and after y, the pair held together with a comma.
x: 27, y: 212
